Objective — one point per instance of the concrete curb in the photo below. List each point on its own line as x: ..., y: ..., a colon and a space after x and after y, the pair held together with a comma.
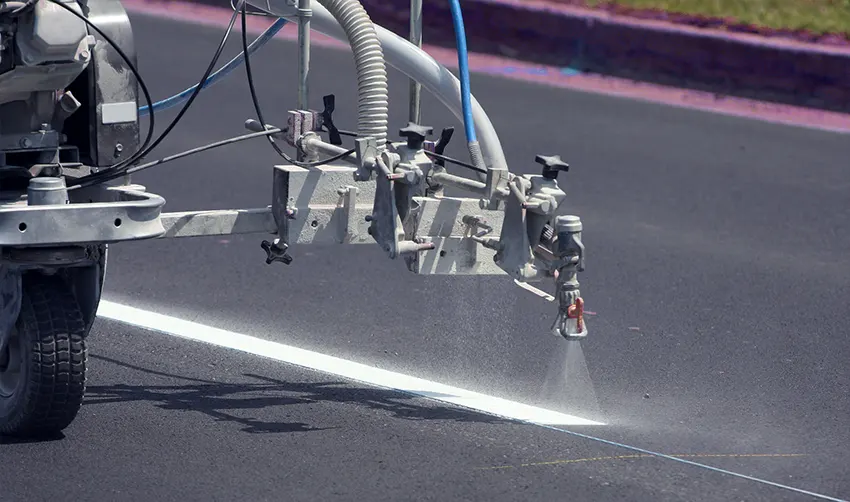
x: 742, y: 65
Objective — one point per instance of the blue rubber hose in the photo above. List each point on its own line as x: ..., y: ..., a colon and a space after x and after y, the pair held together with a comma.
x: 222, y: 72
x: 463, y: 64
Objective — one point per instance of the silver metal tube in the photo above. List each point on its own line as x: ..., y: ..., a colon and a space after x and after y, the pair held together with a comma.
x: 304, y: 14
x: 313, y: 143
x: 459, y: 182
x: 414, y: 63
x: 415, y: 39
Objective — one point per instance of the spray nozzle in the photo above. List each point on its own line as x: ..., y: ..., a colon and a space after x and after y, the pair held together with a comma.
x: 570, y: 260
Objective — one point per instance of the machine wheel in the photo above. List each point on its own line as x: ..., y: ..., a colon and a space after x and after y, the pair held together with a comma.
x: 43, y: 367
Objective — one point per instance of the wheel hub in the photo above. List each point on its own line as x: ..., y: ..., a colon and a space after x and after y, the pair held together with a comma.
x: 10, y: 366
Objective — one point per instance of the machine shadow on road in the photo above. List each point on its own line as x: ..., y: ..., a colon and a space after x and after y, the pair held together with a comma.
x: 8, y: 440
x: 216, y: 398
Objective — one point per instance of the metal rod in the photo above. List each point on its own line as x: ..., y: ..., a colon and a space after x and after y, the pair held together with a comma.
x: 304, y: 14
x: 415, y: 39
x: 459, y: 182
x: 314, y: 144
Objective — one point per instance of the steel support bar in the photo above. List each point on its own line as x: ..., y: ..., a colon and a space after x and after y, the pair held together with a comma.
x: 220, y: 222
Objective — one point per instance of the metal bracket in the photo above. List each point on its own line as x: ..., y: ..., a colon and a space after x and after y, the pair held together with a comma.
x: 495, y: 188
x: 122, y: 213
x: 276, y: 249
x: 366, y: 150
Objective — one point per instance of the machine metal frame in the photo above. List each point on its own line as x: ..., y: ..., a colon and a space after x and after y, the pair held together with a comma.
x: 54, y: 237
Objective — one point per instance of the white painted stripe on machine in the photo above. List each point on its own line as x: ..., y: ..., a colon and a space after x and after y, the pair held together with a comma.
x: 336, y: 366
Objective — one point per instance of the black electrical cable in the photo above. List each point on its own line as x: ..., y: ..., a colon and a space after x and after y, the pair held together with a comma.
x: 259, y: 112
x: 210, y: 146
x: 130, y: 65
x: 454, y: 161
x: 121, y: 169
x: 198, y: 89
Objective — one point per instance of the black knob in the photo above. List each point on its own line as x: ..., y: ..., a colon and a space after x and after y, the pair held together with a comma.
x: 274, y: 252
x: 415, y: 134
x: 552, y: 165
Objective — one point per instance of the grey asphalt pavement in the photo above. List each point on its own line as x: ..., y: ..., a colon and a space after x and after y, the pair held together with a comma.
x: 717, y: 274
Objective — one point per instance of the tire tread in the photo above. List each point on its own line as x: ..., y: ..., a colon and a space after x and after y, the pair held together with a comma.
x: 52, y: 319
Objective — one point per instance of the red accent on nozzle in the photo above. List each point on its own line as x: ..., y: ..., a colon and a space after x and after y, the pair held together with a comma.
x: 576, y: 311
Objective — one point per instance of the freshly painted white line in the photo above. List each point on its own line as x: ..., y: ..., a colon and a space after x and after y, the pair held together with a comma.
x: 336, y: 366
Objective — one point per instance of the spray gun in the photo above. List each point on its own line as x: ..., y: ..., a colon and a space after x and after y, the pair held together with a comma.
x: 570, y: 260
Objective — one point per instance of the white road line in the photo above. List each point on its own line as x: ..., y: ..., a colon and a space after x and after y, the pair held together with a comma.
x: 336, y: 366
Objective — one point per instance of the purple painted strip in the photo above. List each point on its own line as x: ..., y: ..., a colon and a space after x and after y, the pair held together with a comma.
x: 548, y: 75
x: 554, y: 34
x: 749, y: 66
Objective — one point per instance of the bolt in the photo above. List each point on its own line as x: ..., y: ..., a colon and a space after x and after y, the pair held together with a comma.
x: 84, y: 54
x: 118, y: 149
x: 45, y: 126
x: 25, y: 142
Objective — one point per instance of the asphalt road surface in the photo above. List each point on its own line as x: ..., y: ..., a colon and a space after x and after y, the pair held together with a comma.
x: 717, y: 274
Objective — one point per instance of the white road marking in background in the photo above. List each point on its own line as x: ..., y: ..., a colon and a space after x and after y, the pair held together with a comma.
x: 336, y: 366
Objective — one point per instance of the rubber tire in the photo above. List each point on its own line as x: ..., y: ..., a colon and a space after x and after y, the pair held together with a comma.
x: 52, y: 334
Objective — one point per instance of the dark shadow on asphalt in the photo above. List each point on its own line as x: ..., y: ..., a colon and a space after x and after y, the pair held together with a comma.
x: 215, y: 399
x: 27, y: 440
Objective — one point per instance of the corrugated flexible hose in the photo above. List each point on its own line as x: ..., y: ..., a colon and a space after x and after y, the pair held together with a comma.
x: 373, y: 97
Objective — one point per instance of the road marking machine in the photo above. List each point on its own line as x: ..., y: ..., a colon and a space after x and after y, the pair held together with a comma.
x: 70, y: 139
